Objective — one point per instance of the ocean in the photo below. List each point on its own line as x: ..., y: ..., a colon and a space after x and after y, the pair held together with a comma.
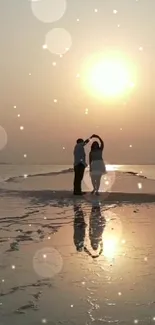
x: 11, y: 172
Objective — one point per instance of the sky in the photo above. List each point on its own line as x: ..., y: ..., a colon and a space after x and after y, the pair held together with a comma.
x: 45, y: 102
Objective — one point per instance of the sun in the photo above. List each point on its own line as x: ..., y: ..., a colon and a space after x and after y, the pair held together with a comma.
x: 110, y: 76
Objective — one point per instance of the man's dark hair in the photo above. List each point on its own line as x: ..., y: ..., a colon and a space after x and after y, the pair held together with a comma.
x: 79, y: 140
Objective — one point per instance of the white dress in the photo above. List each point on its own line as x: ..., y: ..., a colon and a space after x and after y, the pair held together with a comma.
x: 97, y: 165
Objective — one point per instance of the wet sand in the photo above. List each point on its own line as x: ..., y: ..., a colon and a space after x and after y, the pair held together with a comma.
x: 45, y: 279
x: 77, y: 261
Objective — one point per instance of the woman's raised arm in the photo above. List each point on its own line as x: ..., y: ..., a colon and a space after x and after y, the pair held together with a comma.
x: 101, y: 141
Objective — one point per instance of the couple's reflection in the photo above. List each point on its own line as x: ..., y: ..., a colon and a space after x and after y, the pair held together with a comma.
x: 96, y: 228
x: 79, y: 228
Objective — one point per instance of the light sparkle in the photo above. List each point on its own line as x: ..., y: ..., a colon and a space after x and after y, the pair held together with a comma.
x: 139, y: 186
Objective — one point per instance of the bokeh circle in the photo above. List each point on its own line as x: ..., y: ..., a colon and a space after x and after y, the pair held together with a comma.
x: 48, y: 11
x: 107, y: 179
x: 58, y: 41
x: 47, y: 262
x: 3, y: 138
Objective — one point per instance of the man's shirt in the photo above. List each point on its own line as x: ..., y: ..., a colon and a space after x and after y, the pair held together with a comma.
x: 79, y: 154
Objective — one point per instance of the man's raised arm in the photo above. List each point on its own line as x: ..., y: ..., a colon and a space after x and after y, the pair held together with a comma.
x: 87, y: 140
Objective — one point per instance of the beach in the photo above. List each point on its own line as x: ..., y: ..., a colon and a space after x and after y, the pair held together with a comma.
x: 77, y: 101
x: 49, y: 271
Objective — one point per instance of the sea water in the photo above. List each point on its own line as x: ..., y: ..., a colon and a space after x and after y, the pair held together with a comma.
x: 9, y: 172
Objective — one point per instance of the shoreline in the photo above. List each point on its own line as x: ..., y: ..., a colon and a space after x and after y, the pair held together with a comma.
x: 108, y: 197
x: 70, y: 171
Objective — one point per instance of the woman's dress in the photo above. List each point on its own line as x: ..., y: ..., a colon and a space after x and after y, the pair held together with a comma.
x: 97, y: 165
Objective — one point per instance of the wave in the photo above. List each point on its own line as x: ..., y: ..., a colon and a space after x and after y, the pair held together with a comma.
x: 137, y: 174
x: 15, y: 178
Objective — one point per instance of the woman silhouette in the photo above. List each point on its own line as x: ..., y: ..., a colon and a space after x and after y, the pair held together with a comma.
x: 96, y: 227
x: 96, y: 163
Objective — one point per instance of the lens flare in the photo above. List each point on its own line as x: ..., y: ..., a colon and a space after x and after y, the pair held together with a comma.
x: 58, y: 41
x: 107, y: 180
x: 3, y: 138
x: 47, y: 262
x: 48, y: 11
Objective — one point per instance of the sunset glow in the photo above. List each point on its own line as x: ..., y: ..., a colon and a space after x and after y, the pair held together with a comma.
x: 109, y: 76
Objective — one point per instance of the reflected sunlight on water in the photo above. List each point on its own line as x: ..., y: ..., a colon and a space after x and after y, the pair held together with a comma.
x: 110, y: 246
x: 111, y: 168
x: 112, y: 235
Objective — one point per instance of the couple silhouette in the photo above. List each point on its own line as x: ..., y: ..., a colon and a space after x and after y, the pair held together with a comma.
x: 96, y: 164
x: 97, y: 224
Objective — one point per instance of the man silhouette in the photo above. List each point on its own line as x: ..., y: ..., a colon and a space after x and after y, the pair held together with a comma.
x: 79, y: 164
x: 79, y: 228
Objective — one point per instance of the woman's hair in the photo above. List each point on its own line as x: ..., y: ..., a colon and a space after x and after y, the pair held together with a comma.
x: 95, y: 146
